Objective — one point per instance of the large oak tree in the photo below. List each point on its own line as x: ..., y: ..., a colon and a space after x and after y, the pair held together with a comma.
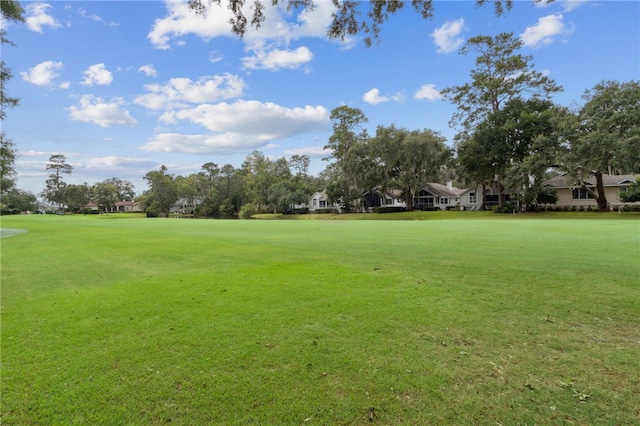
x: 605, y: 136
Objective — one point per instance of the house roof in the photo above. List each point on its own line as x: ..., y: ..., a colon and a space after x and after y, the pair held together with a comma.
x: 443, y: 189
x: 607, y: 180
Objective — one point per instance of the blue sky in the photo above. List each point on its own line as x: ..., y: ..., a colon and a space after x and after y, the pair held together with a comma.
x: 123, y: 87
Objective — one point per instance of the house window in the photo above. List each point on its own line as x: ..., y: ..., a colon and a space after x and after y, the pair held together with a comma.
x: 424, y: 199
x: 472, y: 198
x: 581, y: 194
x: 323, y: 204
x: 315, y: 202
x: 444, y: 200
x: 388, y: 201
x: 622, y: 189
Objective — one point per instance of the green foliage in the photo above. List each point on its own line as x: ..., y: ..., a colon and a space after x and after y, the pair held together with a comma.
x: 163, y: 192
x: 547, y: 195
x: 507, y: 208
x: 383, y: 209
x: 632, y: 194
x: 8, y: 153
x: 55, y: 185
x: 105, y: 195
x: 605, y: 134
x: 501, y: 74
x: 409, y: 158
x: 247, y: 211
x: 77, y: 197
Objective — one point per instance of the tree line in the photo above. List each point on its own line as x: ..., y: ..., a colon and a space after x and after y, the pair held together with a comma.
x: 510, y: 136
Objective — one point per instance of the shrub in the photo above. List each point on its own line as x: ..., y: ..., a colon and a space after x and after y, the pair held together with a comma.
x: 6, y: 212
x: 326, y: 211
x: 247, y: 211
x: 394, y: 209
x: 507, y: 208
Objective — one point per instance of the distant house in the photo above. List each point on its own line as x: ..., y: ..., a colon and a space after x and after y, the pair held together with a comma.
x: 373, y: 199
x: 92, y: 207
x: 44, y: 207
x: 572, y: 194
x: 128, y: 206
x: 186, y: 206
x: 471, y: 198
x: 433, y: 195
x: 319, y: 200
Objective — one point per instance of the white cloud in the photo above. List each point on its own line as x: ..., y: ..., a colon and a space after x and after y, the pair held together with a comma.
x: 180, y: 21
x: 93, y: 109
x: 97, y: 74
x: 277, y: 59
x: 179, y: 92
x: 428, y: 92
x: 37, y: 17
x: 225, y: 143
x: 373, y: 97
x: 42, y: 74
x: 447, y: 38
x: 148, y: 70
x: 545, y: 31
x: 253, y: 117
x: 237, y: 127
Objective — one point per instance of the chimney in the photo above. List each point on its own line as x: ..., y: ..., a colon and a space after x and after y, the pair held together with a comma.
x: 450, y: 185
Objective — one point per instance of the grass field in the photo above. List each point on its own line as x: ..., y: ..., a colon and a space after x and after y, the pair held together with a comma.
x: 486, y: 319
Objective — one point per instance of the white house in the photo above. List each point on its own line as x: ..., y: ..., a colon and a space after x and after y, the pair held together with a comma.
x: 435, y: 195
x: 319, y: 200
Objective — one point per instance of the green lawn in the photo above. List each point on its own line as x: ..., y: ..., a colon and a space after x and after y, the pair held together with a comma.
x: 486, y: 319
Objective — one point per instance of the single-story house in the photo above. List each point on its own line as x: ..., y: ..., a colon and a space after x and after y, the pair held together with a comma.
x: 319, y: 200
x: 128, y: 206
x: 572, y: 194
x: 435, y: 195
x: 373, y: 199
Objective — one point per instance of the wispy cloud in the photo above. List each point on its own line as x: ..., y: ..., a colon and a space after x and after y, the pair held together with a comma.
x: 278, y: 59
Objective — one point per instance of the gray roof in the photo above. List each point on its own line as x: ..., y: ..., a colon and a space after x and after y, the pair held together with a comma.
x: 607, y: 180
x: 444, y: 189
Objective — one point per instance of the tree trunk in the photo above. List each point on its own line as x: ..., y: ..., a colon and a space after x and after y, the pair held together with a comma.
x: 409, y: 197
x: 601, y: 197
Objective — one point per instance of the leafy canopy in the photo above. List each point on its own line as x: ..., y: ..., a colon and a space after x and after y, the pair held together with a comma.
x: 348, y: 19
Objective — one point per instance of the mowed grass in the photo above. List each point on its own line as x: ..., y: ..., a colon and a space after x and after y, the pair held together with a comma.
x: 505, y: 320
